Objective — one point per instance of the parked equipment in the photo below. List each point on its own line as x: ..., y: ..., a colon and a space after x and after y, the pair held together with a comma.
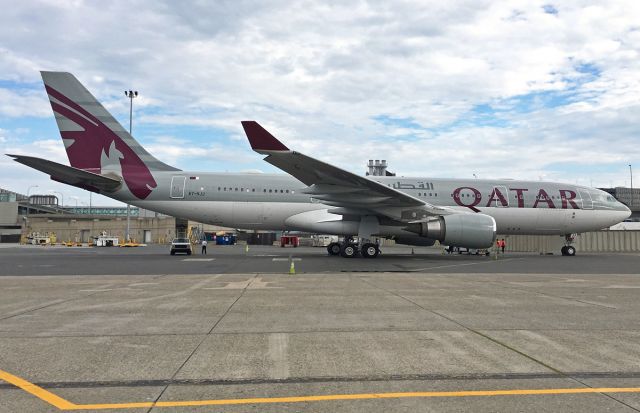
x: 289, y: 240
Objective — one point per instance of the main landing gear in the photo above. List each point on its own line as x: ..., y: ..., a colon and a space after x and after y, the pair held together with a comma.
x: 569, y: 250
x: 350, y: 248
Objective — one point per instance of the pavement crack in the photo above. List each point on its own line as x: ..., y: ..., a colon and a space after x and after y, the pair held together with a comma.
x: 325, y: 379
x: 242, y: 292
x: 559, y: 372
x: 50, y: 304
x: 501, y: 285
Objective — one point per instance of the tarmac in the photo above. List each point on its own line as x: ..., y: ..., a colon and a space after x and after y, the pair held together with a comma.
x: 138, y: 330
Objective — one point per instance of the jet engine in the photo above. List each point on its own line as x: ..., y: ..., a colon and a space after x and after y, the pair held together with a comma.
x: 414, y: 240
x: 459, y: 230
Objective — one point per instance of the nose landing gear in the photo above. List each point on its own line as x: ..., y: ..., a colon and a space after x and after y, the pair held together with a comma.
x: 569, y: 250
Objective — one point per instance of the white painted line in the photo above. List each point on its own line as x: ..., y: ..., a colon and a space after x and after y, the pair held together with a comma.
x: 97, y: 291
x: 286, y: 259
x: 462, y: 265
x: 278, y: 352
x: 198, y: 259
x: 251, y: 284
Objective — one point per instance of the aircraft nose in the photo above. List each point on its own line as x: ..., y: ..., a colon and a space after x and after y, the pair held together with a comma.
x: 624, y: 212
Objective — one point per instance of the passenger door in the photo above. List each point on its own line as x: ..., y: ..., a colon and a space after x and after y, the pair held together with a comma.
x: 177, y: 186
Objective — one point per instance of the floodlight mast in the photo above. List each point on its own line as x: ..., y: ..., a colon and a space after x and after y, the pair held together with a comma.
x: 131, y: 94
x: 631, y: 176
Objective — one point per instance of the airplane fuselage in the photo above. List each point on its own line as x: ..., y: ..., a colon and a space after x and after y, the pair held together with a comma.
x: 267, y: 201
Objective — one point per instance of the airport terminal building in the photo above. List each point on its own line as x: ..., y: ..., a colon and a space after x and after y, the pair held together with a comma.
x: 21, y: 215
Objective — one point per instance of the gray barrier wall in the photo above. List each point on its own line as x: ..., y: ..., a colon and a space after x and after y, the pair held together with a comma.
x: 599, y: 241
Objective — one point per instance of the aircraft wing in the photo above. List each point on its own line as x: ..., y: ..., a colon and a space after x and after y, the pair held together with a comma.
x: 335, y: 186
x: 70, y: 175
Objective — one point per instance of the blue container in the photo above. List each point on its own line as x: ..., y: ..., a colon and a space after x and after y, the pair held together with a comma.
x: 226, y: 240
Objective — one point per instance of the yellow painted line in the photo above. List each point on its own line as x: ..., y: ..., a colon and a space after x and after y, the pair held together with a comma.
x: 63, y: 404
x: 362, y: 396
x: 37, y: 391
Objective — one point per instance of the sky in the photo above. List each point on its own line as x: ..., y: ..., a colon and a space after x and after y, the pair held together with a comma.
x: 500, y: 89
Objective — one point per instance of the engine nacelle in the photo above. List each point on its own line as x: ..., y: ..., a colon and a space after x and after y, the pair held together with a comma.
x: 459, y: 230
x: 415, y: 240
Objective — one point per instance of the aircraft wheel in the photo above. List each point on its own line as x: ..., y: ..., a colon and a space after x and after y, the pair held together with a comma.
x: 334, y: 248
x: 571, y: 251
x: 563, y: 250
x: 349, y: 250
x: 370, y: 251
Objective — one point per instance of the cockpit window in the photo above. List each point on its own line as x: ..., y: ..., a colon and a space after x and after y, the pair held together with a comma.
x: 611, y: 199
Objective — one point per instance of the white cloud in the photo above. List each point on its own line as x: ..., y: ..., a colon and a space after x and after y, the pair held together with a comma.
x: 318, y: 74
x: 24, y: 103
x: 181, y: 152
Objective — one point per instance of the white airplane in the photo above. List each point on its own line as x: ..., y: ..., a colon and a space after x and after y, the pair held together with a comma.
x: 315, y: 196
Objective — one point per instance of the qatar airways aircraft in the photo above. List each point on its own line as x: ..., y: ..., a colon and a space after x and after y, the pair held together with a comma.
x: 314, y: 196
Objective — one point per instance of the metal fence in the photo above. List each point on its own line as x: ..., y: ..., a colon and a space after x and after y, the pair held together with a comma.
x: 599, y: 241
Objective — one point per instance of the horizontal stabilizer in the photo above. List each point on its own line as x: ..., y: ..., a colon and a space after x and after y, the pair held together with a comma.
x: 70, y: 175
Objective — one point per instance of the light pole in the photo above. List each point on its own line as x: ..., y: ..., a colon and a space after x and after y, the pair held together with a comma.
x: 631, y: 176
x: 75, y: 198
x: 131, y: 94
x: 61, y: 195
x: 28, y: 199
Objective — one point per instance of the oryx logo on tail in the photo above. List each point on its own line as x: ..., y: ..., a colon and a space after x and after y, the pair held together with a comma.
x: 93, y: 146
